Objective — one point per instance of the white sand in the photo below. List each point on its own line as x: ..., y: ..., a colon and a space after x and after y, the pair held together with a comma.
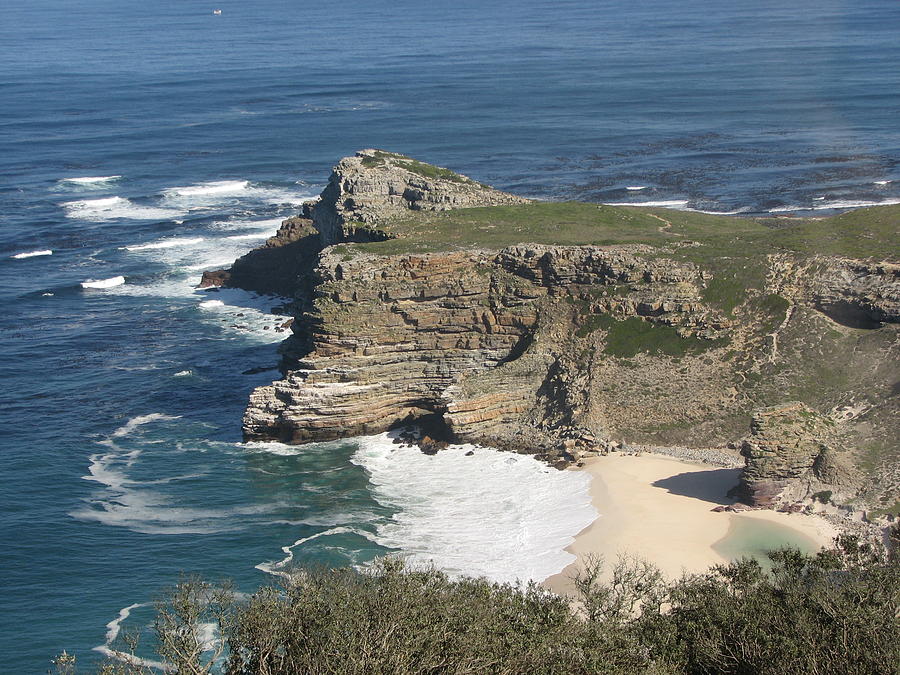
x: 660, y: 509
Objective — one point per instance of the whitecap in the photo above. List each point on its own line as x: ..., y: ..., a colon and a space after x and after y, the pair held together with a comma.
x: 496, y: 514
x: 32, y: 254
x: 113, y: 628
x: 115, y: 208
x: 635, y: 188
x: 130, y: 495
x: 209, y: 304
x: 164, y: 243
x: 183, y: 373
x: 882, y: 182
x: 278, y: 568
x: 103, y: 283
x: 89, y: 180
x: 254, y: 235
x: 139, y: 421
x: 733, y: 212
x: 665, y: 203
x: 265, y: 226
x: 836, y: 204
x: 211, y: 194
x: 219, y: 187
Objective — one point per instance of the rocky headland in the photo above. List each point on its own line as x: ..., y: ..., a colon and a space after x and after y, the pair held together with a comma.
x: 569, y: 329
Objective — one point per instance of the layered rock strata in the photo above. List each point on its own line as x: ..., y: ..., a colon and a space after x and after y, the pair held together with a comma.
x: 472, y: 336
x: 369, y: 189
x: 563, y: 350
x: 786, y: 446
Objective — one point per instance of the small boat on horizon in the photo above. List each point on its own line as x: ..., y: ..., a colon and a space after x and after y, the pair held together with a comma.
x: 217, y: 11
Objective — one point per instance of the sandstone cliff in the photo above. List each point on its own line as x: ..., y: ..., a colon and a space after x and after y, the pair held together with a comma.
x: 615, y: 325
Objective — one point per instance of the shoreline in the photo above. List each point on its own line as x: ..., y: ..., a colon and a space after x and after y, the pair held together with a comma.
x: 659, y: 508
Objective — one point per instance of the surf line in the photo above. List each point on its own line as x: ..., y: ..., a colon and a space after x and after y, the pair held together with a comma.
x: 276, y: 568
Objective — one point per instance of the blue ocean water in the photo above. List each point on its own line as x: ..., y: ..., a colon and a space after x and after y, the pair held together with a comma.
x: 154, y: 140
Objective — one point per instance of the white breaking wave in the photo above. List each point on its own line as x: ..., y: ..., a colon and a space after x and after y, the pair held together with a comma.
x: 665, y: 203
x: 103, y: 283
x: 495, y: 514
x: 635, y: 188
x: 113, y: 628
x: 203, y: 190
x: 123, y: 501
x: 743, y: 209
x: 248, y: 315
x: 115, y: 208
x: 215, y: 193
x: 255, y: 235
x: 89, y: 180
x: 165, y: 243
x: 266, y: 224
x: 278, y: 568
x: 835, y: 204
x: 883, y: 182
x: 32, y: 254
x: 140, y: 421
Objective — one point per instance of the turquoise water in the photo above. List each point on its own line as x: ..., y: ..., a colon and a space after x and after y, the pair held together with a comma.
x: 152, y: 141
x: 753, y: 538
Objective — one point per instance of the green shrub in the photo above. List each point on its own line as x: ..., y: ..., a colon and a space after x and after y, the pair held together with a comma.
x: 835, y: 612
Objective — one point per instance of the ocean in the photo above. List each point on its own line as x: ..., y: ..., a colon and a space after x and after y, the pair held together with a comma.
x: 142, y: 143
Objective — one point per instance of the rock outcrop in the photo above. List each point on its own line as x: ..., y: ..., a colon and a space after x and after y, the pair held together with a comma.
x: 281, y: 266
x: 786, y: 444
x: 471, y: 336
x: 565, y: 350
x: 366, y: 191
x: 853, y: 293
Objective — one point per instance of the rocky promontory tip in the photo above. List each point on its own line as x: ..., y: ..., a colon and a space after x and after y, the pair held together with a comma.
x: 364, y: 194
x: 418, y: 295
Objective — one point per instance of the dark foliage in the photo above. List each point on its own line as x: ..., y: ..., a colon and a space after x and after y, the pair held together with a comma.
x: 836, y: 612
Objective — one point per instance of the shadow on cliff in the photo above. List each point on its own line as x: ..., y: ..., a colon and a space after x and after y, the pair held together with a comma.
x: 710, y: 486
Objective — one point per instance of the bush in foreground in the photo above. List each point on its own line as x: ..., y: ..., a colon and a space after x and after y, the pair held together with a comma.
x: 836, y: 612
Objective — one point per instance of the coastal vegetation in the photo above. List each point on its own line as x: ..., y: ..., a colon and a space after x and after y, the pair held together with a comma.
x: 834, y: 612
x: 862, y: 233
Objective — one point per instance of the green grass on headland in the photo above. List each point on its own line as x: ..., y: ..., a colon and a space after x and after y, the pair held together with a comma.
x: 864, y: 233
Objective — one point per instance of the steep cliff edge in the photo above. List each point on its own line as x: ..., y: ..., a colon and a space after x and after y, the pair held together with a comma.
x: 610, y: 325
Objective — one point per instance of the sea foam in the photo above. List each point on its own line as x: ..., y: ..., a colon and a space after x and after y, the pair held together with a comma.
x: 496, y: 514
x: 201, y: 196
x: 665, y: 203
x: 113, y: 628
x: 103, y: 283
x: 165, y: 243
x: 31, y: 254
x: 88, y: 182
x: 115, y: 208
x: 135, y: 487
x: 835, y: 204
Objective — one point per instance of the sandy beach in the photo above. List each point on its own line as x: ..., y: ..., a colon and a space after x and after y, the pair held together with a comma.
x: 660, y: 509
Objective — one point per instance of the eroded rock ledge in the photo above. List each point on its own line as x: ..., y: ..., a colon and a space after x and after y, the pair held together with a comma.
x: 565, y: 350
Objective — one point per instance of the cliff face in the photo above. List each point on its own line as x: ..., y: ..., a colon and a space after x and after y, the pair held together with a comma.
x: 562, y: 350
x: 476, y: 336
x: 366, y: 191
